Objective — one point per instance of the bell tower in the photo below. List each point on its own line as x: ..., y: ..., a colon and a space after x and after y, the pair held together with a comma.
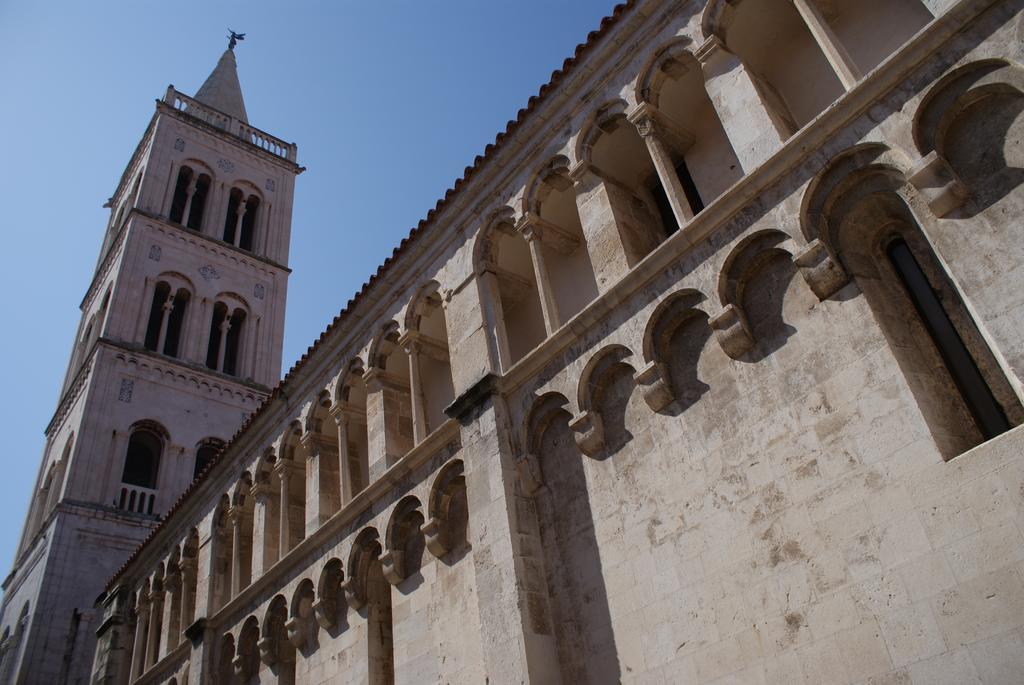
x: 180, y: 339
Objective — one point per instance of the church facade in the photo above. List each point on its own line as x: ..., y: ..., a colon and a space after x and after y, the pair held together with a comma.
x: 180, y: 339
x: 708, y: 370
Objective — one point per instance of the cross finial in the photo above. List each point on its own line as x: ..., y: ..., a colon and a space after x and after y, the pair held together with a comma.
x: 233, y: 39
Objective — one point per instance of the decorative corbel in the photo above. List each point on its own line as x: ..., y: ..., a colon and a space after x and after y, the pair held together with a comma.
x: 435, y: 535
x: 355, y: 595
x: 655, y: 385
x: 268, y: 650
x: 296, y: 630
x: 822, y: 272
x: 325, y: 611
x: 732, y: 331
x: 392, y: 565
x: 938, y: 183
x: 589, y: 430
x: 530, y: 476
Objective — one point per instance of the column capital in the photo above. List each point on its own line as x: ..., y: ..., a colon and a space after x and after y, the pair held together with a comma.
x: 534, y: 227
x: 378, y: 379
x: 711, y: 48
x: 343, y: 412
x: 651, y: 122
x: 432, y: 347
x: 314, y: 443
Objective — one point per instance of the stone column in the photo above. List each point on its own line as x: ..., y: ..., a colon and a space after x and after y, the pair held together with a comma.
x: 235, y: 516
x: 239, y: 215
x: 188, y: 593
x: 410, y: 342
x: 521, y: 647
x: 156, y: 611
x: 387, y: 404
x: 829, y: 43
x: 619, y: 232
x: 139, y: 646
x: 341, y: 419
x: 190, y: 191
x: 164, y: 317
x: 754, y: 127
x: 283, y: 471
x: 549, y: 306
x: 201, y: 326
x: 171, y: 633
x: 322, y: 485
x: 494, y: 319
x: 649, y: 125
x: 225, y: 326
x: 262, y: 557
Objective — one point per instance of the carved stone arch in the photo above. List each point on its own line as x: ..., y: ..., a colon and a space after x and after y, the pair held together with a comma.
x: 403, y: 541
x: 233, y: 300
x: 385, y: 343
x: 247, y: 652
x: 154, y: 427
x: 249, y: 188
x: 199, y: 167
x: 274, y: 646
x: 957, y: 90
x: 589, y: 425
x: 485, y: 249
x: 329, y: 594
x: 554, y: 174
x: 240, y: 491
x: 447, y: 510
x: 315, y: 415
x: 671, y: 61
x: 655, y: 377
x: 366, y: 549
x: 414, y: 311
x: 545, y: 409
x: 355, y: 369
x: 300, y: 624
x: 226, y: 658
x: 177, y: 280
x: 289, y: 440
x: 603, y: 119
x: 264, y: 464
x: 716, y: 17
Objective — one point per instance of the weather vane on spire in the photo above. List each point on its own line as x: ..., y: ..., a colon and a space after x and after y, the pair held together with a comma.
x: 234, y: 38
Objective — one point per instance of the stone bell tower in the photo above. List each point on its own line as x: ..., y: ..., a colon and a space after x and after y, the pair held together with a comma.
x: 180, y: 339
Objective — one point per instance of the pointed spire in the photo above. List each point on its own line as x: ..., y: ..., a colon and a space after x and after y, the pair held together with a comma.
x: 221, y: 90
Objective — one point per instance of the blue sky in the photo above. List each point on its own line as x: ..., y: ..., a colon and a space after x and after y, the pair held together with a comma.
x: 388, y: 101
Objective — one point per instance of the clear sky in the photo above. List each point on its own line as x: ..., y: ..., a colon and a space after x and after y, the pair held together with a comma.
x: 388, y: 102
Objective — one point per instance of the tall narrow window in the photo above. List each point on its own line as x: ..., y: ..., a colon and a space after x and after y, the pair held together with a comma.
x: 181, y: 194
x: 232, y: 348
x: 175, y: 323
x: 231, y: 218
x: 142, y: 461
x: 252, y: 206
x: 689, y: 187
x: 214, y: 351
x: 161, y: 294
x: 198, y: 206
x: 987, y: 413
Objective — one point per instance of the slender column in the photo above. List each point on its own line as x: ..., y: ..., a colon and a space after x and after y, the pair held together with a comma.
x: 171, y: 633
x: 139, y: 647
x: 189, y: 192
x: 235, y: 516
x: 237, y: 238
x: 419, y: 412
x: 494, y: 318
x: 829, y: 43
x: 201, y: 339
x: 165, y: 317
x: 261, y: 561
x: 645, y: 120
x: 225, y: 326
x: 156, y: 608
x: 341, y: 418
x: 322, y: 486
x: 188, y: 592
x: 548, y: 305
x: 284, y: 474
x: 755, y: 127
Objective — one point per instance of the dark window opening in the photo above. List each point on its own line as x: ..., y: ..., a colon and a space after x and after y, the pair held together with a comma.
x: 665, y: 213
x: 175, y: 323
x: 195, y: 214
x: 142, y: 460
x: 976, y: 394
x: 231, y: 349
x: 252, y: 206
x: 156, y: 315
x: 180, y: 194
x: 231, y: 219
x: 689, y: 187
x: 220, y: 312
x: 204, y: 455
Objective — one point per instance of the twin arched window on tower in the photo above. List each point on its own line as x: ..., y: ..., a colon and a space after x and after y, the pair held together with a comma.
x: 240, y: 220
x: 224, y: 350
x: 189, y: 200
x: 166, y: 319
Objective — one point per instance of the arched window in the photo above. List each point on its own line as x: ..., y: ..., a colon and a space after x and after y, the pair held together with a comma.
x: 231, y: 218
x: 240, y: 220
x: 166, y: 319
x: 142, y: 460
x: 223, y: 352
x: 189, y: 200
x: 245, y: 240
x: 205, y: 453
